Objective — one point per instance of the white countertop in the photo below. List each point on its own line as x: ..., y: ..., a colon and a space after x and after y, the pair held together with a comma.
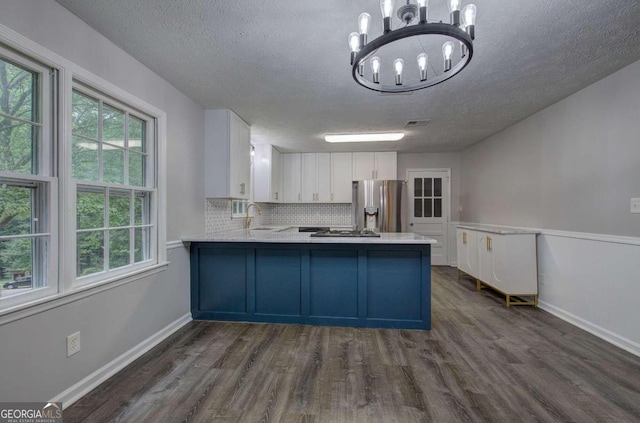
x: 285, y: 234
x: 502, y: 230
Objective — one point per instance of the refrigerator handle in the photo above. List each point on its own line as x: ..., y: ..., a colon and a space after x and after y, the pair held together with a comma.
x: 382, y: 227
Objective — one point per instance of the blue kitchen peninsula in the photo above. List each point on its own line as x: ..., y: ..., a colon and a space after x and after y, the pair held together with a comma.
x: 290, y: 277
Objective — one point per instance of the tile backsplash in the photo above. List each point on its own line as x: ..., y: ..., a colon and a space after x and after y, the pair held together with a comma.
x: 218, y: 215
x: 311, y: 214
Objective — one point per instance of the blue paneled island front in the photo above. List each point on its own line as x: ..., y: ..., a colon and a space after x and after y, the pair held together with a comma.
x: 290, y: 277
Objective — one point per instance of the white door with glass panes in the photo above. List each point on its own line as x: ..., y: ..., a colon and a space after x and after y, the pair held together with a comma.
x: 429, y: 193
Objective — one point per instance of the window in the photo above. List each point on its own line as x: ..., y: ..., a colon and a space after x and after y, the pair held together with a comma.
x: 430, y: 196
x: 27, y: 208
x: 113, y: 170
x: 81, y: 194
x: 239, y: 208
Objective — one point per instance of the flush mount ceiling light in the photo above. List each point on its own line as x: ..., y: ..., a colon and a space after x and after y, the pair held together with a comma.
x: 422, y: 38
x: 390, y: 136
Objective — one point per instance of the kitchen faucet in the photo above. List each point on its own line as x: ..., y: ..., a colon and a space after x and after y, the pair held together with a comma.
x: 247, y: 219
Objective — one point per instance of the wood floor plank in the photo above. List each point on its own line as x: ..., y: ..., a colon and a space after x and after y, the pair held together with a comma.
x: 481, y: 362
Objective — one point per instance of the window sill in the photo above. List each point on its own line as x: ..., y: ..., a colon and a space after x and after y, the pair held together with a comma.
x: 43, y: 304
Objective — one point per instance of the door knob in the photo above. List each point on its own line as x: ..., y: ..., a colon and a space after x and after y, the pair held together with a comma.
x: 410, y: 224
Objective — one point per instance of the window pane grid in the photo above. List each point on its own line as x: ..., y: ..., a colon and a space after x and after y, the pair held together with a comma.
x: 17, y: 119
x: 428, y: 195
x: 116, y: 159
x: 113, y: 222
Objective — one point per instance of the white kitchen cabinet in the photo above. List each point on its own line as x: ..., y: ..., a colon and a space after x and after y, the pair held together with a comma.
x: 381, y: 165
x: 386, y: 165
x: 291, y: 178
x: 267, y: 174
x: 316, y: 177
x: 227, y: 155
x: 501, y: 258
x: 341, y: 177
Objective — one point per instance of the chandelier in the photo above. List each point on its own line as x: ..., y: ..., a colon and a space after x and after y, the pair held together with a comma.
x: 391, y: 77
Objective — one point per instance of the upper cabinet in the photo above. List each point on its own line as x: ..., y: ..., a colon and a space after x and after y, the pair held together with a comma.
x: 291, y: 178
x: 267, y: 174
x: 341, y: 177
x: 316, y: 177
x: 227, y: 155
x: 375, y: 165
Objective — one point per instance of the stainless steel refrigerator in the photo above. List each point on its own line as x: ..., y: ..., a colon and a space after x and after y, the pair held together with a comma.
x: 379, y: 205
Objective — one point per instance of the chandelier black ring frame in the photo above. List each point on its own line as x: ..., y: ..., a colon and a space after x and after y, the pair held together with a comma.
x: 440, y: 28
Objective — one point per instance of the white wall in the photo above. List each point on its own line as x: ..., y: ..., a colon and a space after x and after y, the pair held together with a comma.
x: 572, y: 167
x: 33, y: 362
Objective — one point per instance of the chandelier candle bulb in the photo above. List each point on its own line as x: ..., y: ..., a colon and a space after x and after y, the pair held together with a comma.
x: 422, y: 4
x: 387, y: 6
x: 354, y: 45
x: 364, y: 21
x: 422, y: 65
x: 469, y: 20
x: 375, y: 69
x: 454, y: 12
x: 447, y: 52
x: 398, y: 65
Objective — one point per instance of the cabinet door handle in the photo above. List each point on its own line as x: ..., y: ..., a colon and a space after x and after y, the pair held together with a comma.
x: 490, y: 244
x: 242, y: 188
x: 373, y: 174
x: 299, y: 197
x: 331, y: 196
x: 276, y: 195
x: 464, y: 238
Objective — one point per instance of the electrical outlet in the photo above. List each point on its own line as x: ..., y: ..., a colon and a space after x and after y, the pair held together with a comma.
x: 542, y: 279
x: 635, y: 205
x: 73, y: 344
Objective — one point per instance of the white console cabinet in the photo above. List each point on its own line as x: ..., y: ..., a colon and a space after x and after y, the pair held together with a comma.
x: 501, y: 258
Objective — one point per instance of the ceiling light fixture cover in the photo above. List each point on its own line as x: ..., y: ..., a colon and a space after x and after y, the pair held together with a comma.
x: 389, y: 136
x: 459, y: 31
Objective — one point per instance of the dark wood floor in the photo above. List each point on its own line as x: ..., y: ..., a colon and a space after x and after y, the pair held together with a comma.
x: 481, y: 362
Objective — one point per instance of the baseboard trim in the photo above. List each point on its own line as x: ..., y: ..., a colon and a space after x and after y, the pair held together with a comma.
x: 613, y: 338
x: 86, y: 385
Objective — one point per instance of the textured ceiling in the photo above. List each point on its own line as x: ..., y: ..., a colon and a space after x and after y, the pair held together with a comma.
x: 283, y: 66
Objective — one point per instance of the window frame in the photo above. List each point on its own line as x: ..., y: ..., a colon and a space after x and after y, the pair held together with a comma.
x: 150, y: 185
x: 47, y: 207
x: 62, y: 288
